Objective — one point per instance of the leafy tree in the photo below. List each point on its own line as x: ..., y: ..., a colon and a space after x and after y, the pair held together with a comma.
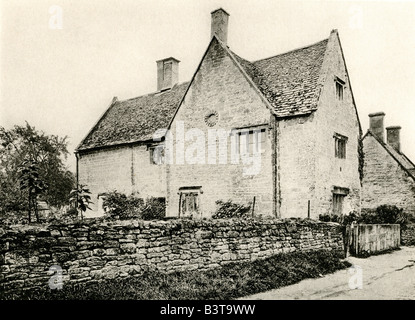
x: 32, y: 184
x: 27, y: 154
x: 81, y: 198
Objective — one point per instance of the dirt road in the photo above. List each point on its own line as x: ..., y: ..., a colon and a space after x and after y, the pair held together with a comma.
x: 386, y: 276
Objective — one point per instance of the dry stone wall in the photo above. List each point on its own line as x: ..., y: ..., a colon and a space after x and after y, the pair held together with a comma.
x: 95, y: 250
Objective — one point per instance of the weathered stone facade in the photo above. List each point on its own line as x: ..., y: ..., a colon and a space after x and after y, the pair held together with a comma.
x: 302, y: 99
x: 385, y: 180
x: 90, y: 251
x: 219, y: 86
x: 336, y: 116
x: 307, y: 169
x: 126, y: 169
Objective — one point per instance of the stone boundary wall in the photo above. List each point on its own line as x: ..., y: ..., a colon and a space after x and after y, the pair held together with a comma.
x: 408, y: 235
x: 95, y: 250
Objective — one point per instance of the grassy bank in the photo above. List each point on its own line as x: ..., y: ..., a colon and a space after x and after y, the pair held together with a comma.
x: 228, y: 282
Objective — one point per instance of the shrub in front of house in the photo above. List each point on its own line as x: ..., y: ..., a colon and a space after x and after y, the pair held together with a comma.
x: 153, y: 209
x: 229, y: 209
x: 329, y: 218
x: 384, y: 214
x: 120, y: 206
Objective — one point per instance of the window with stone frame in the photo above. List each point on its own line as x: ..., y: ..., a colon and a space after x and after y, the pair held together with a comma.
x: 189, y: 201
x: 340, y: 143
x: 339, y: 88
x: 157, y: 154
x: 250, y: 141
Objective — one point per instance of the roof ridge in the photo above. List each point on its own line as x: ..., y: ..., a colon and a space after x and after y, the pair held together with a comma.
x: 290, y: 51
x: 155, y: 92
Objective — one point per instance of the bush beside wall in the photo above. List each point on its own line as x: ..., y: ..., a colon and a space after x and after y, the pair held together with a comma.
x: 94, y: 250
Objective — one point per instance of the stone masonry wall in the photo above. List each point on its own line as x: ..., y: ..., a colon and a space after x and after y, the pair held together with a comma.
x: 94, y: 250
x: 384, y: 181
x: 126, y: 169
x: 307, y: 167
x: 219, y: 86
x: 336, y: 116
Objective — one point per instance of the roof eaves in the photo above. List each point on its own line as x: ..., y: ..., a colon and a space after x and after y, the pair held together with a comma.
x: 113, y: 101
x: 114, y: 145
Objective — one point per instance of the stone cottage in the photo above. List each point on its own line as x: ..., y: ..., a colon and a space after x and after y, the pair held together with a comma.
x: 388, y: 174
x: 281, y: 133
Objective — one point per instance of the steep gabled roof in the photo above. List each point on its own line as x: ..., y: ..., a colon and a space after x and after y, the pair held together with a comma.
x: 288, y: 83
x: 403, y: 161
x: 134, y: 119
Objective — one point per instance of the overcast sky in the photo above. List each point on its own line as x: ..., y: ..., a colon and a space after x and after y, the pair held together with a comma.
x: 62, y: 79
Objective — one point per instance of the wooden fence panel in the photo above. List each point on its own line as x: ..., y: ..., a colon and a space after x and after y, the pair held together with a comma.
x: 372, y: 238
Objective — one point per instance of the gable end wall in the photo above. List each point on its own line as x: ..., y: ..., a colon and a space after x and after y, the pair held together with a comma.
x: 384, y: 180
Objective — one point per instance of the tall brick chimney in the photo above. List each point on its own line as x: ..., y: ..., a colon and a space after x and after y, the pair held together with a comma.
x: 376, y: 124
x: 167, y: 73
x: 393, y: 137
x: 219, y: 24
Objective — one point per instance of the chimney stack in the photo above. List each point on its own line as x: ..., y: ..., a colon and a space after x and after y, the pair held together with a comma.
x: 393, y: 137
x: 219, y: 24
x: 167, y: 73
x: 376, y: 125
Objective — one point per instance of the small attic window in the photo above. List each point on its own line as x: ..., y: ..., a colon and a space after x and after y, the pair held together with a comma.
x: 157, y: 154
x: 339, y: 88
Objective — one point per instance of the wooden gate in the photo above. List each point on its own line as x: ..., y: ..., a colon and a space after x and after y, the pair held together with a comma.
x: 366, y: 239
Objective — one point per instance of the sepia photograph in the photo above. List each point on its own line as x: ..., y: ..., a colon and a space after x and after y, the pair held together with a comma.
x: 193, y: 152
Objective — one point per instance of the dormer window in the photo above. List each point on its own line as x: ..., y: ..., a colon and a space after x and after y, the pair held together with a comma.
x: 339, y: 88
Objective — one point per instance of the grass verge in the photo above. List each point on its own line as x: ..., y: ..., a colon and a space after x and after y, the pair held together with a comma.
x: 227, y: 282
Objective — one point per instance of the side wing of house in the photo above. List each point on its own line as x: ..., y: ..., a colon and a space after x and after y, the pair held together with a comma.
x: 221, y: 116
x: 385, y: 180
x: 337, y: 131
x: 125, y: 169
x: 118, y: 153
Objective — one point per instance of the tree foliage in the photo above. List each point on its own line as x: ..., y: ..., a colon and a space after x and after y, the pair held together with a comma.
x: 81, y: 198
x: 32, y: 184
x: 32, y: 162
